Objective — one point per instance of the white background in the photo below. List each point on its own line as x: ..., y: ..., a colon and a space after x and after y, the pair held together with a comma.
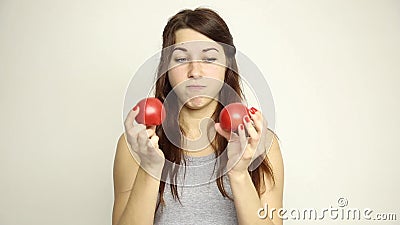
x: 332, y: 66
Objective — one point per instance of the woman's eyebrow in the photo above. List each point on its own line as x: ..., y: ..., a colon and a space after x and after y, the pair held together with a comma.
x: 209, y: 49
x: 180, y: 48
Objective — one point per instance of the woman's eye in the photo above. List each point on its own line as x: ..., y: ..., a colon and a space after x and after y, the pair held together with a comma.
x: 209, y: 60
x: 181, y: 60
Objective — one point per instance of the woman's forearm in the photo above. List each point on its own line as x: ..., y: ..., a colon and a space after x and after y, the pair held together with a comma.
x: 142, y: 201
x: 246, y: 200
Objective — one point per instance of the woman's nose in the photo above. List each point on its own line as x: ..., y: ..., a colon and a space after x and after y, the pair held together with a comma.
x: 195, y: 69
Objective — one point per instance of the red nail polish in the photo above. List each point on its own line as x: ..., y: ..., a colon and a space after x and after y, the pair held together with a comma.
x: 241, y: 127
x: 253, y: 110
x: 134, y: 108
x: 247, y: 119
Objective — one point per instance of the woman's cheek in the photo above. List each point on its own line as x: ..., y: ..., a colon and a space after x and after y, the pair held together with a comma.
x: 174, y: 79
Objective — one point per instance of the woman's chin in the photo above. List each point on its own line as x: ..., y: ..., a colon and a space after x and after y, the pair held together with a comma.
x: 198, y: 102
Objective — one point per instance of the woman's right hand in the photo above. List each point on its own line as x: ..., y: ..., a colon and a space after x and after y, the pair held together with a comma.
x: 143, y: 144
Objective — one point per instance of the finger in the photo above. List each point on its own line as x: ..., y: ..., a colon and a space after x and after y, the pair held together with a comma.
x: 130, y: 118
x: 257, y: 118
x: 153, y: 144
x: 258, y: 157
x: 250, y: 128
x: 142, y: 140
x: 234, y: 137
x: 268, y: 141
x: 242, y: 137
x: 131, y: 135
x: 151, y: 130
x: 224, y: 133
x: 154, y: 141
x: 262, y: 149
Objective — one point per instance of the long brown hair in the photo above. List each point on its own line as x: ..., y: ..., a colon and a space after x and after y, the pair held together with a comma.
x: 210, y: 24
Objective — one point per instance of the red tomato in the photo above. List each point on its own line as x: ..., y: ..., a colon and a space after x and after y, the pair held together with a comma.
x: 232, y: 116
x: 152, y: 112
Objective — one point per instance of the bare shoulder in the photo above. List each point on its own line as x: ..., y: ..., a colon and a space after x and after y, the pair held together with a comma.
x: 273, y: 196
x: 125, y: 167
x: 274, y: 155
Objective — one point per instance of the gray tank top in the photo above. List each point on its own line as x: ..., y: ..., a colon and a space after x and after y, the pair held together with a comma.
x: 202, y: 202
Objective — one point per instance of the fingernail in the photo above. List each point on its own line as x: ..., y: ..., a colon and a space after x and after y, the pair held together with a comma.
x: 241, y: 127
x: 247, y: 119
x: 253, y: 110
x: 134, y: 108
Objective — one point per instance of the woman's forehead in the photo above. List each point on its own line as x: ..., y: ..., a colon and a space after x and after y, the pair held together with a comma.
x: 198, y: 47
x: 191, y: 40
x: 187, y: 34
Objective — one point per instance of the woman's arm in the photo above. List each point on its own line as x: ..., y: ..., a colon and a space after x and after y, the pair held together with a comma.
x: 124, y: 173
x: 245, y: 196
x: 253, y: 140
x: 134, y: 189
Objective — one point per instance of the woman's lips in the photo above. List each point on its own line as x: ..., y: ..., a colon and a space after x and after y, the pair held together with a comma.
x: 195, y: 87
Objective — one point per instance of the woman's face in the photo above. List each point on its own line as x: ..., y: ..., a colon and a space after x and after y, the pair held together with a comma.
x: 197, y: 68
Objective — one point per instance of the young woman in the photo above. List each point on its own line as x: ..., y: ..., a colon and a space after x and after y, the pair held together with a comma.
x: 163, y: 174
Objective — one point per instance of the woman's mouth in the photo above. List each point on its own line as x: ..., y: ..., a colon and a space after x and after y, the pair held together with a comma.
x: 195, y: 87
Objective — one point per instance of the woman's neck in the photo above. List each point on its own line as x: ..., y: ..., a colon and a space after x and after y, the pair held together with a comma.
x: 195, y: 122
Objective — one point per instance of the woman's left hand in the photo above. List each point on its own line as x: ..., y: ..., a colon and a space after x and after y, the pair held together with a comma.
x: 242, y: 149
